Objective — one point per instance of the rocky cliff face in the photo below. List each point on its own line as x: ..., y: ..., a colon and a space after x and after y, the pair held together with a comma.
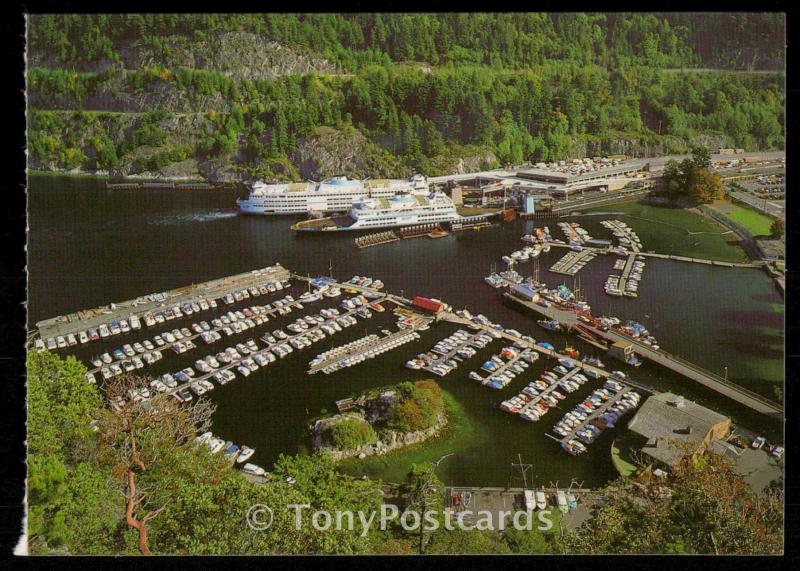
x: 330, y: 152
x: 237, y: 53
x: 240, y: 54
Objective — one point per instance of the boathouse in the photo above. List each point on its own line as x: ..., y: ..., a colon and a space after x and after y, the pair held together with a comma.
x: 429, y: 305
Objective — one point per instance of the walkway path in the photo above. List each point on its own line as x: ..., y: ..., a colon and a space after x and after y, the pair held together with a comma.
x: 689, y: 370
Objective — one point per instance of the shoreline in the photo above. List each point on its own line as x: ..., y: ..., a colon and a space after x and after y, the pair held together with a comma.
x: 127, y: 177
x: 393, y: 466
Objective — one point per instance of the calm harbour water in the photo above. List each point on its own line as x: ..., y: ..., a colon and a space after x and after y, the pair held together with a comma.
x: 89, y: 246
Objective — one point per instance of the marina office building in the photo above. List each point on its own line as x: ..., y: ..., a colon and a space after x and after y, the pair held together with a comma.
x: 489, y: 187
x: 674, y: 427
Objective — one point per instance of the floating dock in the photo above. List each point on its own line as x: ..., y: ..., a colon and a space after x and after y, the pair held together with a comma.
x: 570, y: 264
x: 706, y: 378
x: 418, y: 231
x: 504, y: 367
x: 550, y: 388
x: 597, y: 413
x: 374, y: 346
x: 376, y: 239
x: 93, y: 318
x: 444, y: 357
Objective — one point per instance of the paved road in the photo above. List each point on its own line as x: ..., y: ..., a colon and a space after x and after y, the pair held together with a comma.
x: 656, y: 165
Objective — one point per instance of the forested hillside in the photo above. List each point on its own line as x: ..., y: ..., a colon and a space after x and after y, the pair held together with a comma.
x: 276, y: 96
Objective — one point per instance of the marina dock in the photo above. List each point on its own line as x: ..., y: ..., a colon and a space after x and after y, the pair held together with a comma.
x: 414, y: 319
x: 505, y: 366
x: 443, y: 357
x: 706, y: 378
x: 375, y: 345
x: 570, y: 264
x: 551, y: 387
x: 269, y: 313
x: 237, y: 362
x: 376, y: 239
x: 453, y: 318
x: 607, y: 251
x: 626, y: 272
x: 93, y: 318
x: 597, y: 413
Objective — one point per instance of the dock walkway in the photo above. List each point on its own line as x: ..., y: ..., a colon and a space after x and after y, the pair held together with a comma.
x: 550, y: 388
x: 504, y: 367
x: 218, y: 288
x: 609, y: 251
x: 597, y: 413
x: 706, y: 378
x: 375, y: 345
x: 567, y: 265
x: 450, y: 354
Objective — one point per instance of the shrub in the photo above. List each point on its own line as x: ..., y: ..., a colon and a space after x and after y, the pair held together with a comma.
x: 420, y: 407
x: 351, y: 433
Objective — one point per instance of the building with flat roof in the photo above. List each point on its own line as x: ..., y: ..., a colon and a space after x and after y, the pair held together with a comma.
x: 621, y: 350
x: 674, y: 428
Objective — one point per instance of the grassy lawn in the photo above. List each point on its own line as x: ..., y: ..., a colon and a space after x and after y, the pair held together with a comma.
x: 678, y: 231
x: 759, y: 224
x: 623, y: 467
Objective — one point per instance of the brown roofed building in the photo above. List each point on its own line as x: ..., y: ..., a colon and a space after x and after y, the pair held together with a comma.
x: 674, y: 427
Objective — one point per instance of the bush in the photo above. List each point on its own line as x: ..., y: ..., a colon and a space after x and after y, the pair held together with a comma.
x: 419, y: 408
x: 351, y: 433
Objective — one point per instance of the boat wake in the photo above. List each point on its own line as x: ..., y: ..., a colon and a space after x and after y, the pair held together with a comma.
x: 192, y: 217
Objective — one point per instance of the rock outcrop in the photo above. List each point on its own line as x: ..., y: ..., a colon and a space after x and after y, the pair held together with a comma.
x: 388, y: 441
x: 330, y: 152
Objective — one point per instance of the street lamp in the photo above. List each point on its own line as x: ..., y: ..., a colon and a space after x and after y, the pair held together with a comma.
x: 726, y: 374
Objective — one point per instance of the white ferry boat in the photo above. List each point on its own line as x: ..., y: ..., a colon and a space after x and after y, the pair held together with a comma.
x: 399, y: 210
x: 337, y: 194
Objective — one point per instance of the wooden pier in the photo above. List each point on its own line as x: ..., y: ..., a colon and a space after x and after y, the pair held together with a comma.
x: 375, y: 345
x: 218, y: 288
x: 684, y: 368
x: 597, y: 413
x: 377, y: 239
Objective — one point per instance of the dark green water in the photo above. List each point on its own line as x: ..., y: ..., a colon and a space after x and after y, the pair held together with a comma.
x: 89, y: 246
